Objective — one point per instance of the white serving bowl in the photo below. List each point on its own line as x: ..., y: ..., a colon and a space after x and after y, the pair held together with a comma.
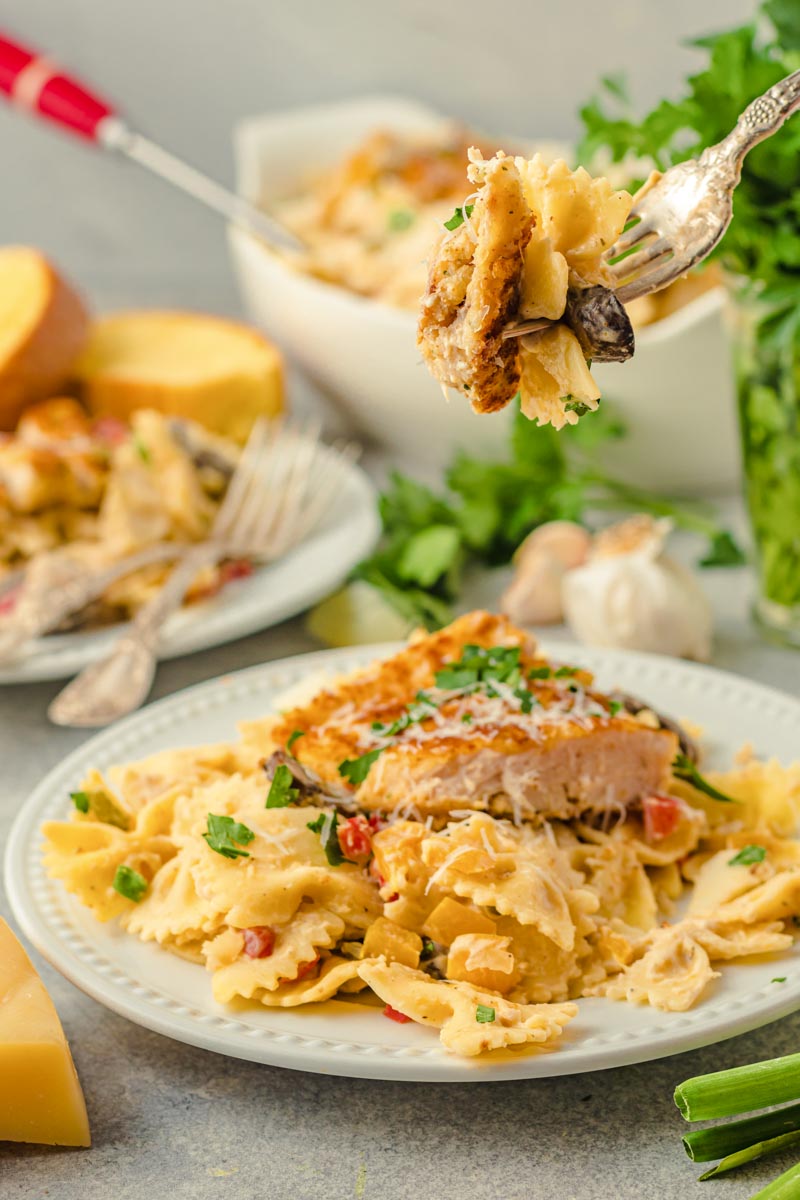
x: 675, y: 395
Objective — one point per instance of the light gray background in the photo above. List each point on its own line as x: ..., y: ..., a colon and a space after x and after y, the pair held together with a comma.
x: 186, y: 70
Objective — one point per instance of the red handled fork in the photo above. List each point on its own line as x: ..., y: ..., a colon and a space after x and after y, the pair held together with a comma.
x: 34, y: 82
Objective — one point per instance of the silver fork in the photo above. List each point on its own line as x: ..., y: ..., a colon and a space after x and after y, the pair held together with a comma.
x: 679, y: 217
x: 284, y: 482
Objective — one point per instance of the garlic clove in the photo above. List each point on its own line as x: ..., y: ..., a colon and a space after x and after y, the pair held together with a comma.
x: 534, y: 595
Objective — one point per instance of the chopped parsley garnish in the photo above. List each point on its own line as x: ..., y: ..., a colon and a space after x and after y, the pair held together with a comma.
x: 129, y: 883
x: 355, y: 770
x: 428, y: 948
x: 281, y: 792
x: 80, y: 800
x: 484, y: 1015
x: 778, y: 979
x: 400, y: 219
x: 226, y: 836
x: 747, y: 856
x: 616, y: 706
x: 683, y: 768
x: 566, y: 672
x: 142, y: 450
x: 327, y: 826
x: 293, y: 736
x: 540, y: 672
x: 466, y: 719
x: 457, y: 218
x: 577, y: 406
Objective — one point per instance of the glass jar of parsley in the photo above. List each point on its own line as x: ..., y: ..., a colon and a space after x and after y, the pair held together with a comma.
x: 767, y: 366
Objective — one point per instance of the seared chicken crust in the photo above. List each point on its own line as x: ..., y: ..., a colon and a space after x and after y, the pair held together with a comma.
x: 571, y: 753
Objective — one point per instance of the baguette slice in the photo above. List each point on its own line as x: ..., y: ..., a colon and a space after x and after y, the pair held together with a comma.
x: 214, y: 371
x: 43, y: 328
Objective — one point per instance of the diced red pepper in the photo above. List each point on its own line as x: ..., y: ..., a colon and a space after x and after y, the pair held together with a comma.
x: 110, y: 430
x: 394, y: 1015
x: 306, y: 968
x: 355, y: 838
x: 375, y: 872
x: 9, y: 602
x: 375, y: 822
x: 259, y: 942
x: 235, y: 568
x: 661, y: 815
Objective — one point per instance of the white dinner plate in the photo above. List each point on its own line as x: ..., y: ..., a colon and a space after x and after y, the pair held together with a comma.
x: 271, y: 594
x: 173, y: 997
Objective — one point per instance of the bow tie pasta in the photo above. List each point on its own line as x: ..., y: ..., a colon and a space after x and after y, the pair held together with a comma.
x: 529, y: 234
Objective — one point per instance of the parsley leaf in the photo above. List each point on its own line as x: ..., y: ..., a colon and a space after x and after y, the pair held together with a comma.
x: 484, y: 1015
x: 355, y: 770
x: 80, y: 800
x: 129, y: 883
x: 281, y: 792
x: 615, y: 707
x: 778, y: 979
x: 747, y: 856
x: 457, y: 218
x: 293, y: 736
x: 723, y: 551
x: 142, y: 450
x: 226, y: 836
x: 683, y: 768
x: 327, y: 826
x: 400, y: 219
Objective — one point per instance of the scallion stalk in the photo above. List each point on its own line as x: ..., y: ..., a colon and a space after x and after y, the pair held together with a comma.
x: 740, y: 1089
x: 751, y: 1153
x: 785, y: 1187
x: 717, y: 1141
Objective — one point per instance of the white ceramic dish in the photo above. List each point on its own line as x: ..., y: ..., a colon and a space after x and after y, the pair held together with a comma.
x: 273, y: 593
x: 152, y: 988
x: 675, y: 395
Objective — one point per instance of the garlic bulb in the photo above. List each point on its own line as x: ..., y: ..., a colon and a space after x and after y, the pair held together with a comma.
x: 534, y: 595
x: 632, y: 595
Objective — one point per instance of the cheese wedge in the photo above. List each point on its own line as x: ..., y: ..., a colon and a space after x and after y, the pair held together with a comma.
x: 217, y: 372
x: 40, y: 1096
x: 43, y: 328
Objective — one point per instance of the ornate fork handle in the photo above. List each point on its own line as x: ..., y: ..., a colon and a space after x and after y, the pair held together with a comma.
x: 762, y: 117
x: 149, y: 620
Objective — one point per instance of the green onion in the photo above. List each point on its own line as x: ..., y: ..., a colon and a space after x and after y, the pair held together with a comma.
x: 484, y: 1015
x: 225, y: 836
x: 740, y: 1089
x: 748, y: 855
x: 717, y: 1141
x: 785, y: 1187
x: 751, y: 1153
x: 129, y: 883
x: 80, y: 800
x: 683, y: 768
x: 281, y: 793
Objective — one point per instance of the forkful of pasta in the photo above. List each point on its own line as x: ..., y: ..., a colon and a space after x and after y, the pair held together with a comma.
x: 528, y: 284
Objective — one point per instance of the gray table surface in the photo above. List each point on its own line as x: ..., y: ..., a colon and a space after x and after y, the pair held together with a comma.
x: 202, y: 1127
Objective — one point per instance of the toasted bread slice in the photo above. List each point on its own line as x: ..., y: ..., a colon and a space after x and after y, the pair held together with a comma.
x: 219, y: 373
x: 43, y: 328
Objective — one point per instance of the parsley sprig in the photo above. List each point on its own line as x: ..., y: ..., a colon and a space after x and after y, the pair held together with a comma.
x: 431, y: 539
x: 281, y: 792
x: 226, y: 836
x: 747, y: 856
x: 129, y: 883
x: 327, y: 826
